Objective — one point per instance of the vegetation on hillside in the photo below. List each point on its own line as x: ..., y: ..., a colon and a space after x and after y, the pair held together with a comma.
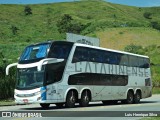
x: 116, y: 25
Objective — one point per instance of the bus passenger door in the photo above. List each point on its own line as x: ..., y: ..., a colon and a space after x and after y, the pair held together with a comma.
x: 60, y: 93
x: 55, y: 92
x: 51, y: 92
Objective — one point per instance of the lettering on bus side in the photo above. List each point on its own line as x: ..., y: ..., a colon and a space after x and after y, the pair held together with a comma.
x: 91, y: 67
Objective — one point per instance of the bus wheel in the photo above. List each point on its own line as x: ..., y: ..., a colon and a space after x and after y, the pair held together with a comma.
x: 45, y: 105
x: 71, y: 99
x: 59, y: 105
x: 137, y: 97
x: 85, y: 98
x: 130, y: 98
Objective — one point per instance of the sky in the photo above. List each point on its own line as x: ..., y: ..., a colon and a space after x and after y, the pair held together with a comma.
x: 138, y: 3
x: 32, y: 1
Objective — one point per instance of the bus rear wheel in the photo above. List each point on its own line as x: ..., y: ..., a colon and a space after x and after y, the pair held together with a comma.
x: 85, y: 98
x: 137, y: 97
x: 130, y: 98
x: 45, y: 105
x: 71, y: 99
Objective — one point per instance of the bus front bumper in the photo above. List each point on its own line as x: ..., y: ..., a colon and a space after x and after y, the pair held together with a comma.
x: 28, y: 100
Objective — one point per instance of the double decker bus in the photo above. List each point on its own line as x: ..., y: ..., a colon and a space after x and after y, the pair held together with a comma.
x: 66, y: 73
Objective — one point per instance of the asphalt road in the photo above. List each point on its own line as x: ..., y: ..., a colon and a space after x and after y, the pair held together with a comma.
x: 96, y: 110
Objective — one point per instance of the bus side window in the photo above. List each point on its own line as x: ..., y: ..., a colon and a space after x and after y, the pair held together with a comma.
x: 54, y: 51
x: 66, y: 52
x: 76, y: 56
x: 100, y: 56
x: 84, y: 55
x: 141, y: 62
x: 94, y: 55
x: 81, y: 54
x: 146, y: 63
x: 109, y: 58
x: 106, y: 58
x: 118, y: 57
x: 112, y: 58
x: 133, y: 61
x: 124, y: 60
x: 59, y: 51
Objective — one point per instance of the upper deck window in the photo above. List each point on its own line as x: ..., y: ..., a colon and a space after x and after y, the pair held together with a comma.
x: 60, y: 50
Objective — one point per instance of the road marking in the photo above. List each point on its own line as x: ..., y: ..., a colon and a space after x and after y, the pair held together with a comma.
x: 113, y: 106
x: 26, y: 118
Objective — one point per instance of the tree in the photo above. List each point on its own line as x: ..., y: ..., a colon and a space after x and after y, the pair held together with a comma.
x: 155, y: 25
x: 14, y: 29
x: 68, y: 24
x: 27, y: 10
x: 137, y: 49
x: 147, y: 15
x: 64, y: 23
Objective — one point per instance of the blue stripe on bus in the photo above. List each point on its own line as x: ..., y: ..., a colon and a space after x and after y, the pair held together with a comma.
x: 43, y: 94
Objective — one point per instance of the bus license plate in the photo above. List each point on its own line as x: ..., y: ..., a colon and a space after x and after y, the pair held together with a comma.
x: 25, y: 100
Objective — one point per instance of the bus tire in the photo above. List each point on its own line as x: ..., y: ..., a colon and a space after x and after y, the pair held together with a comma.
x: 85, y: 98
x: 137, y: 97
x: 71, y: 99
x: 130, y: 97
x: 59, y: 105
x: 45, y: 105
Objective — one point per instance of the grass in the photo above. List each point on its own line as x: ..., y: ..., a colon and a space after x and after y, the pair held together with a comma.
x: 118, y: 38
x: 151, y: 118
x: 7, y: 102
x: 156, y: 90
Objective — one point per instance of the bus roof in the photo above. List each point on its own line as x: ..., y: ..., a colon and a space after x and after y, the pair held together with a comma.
x: 95, y: 47
x: 50, y: 42
x: 111, y: 50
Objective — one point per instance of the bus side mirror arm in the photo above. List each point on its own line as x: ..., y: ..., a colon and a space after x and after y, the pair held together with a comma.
x: 48, y: 61
x: 9, y: 66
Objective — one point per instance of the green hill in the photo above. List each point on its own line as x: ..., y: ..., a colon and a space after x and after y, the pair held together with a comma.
x: 116, y: 25
x: 98, y: 18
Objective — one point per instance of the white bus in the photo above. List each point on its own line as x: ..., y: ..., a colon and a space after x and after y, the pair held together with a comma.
x: 65, y: 73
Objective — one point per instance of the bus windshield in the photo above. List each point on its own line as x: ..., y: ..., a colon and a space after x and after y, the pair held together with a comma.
x: 28, y: 78
x: 35, y: 52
